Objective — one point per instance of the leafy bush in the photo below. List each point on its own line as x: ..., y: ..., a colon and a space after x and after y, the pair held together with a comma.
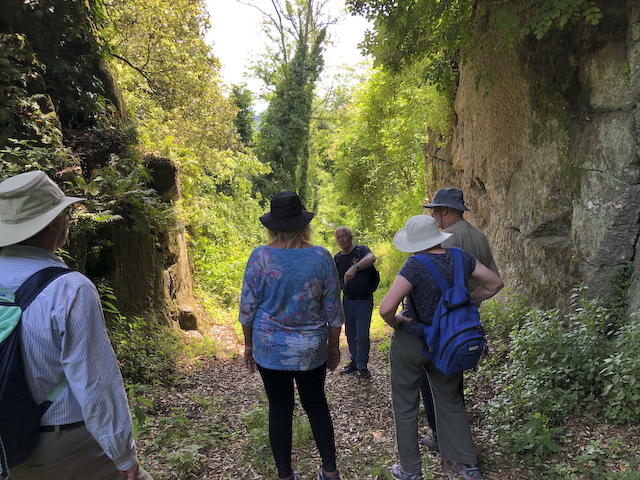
x: 146, y: 354
x: 621, y: 376
x: 619, y: 301
x: 535, y: 440
x: 499, y: 318
x: 555, y: 368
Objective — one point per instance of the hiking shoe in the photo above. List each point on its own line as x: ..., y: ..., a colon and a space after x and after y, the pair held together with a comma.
x: 365, y: 374
x: 469, y: 472
x: 431, y: 443
x: 322, y: 476
x: 399, y: 474
x: 350, y: 368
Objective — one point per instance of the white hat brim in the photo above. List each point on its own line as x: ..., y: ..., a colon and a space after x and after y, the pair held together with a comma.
x: 12, y: 233
x: 404, y: 244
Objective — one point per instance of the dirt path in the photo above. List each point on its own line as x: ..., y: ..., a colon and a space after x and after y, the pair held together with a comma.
x: 361, y: 412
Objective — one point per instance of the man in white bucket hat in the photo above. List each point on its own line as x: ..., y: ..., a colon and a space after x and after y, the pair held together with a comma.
x: 421, y: 235
x: 87, y: 431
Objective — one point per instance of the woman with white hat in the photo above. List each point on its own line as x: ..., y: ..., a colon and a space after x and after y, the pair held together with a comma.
x: 422, y: 236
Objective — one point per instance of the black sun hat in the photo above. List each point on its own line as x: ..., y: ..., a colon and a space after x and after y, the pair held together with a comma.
x: 287, y: 213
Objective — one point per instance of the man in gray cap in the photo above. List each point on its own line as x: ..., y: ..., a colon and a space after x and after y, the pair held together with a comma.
x: 447, y: 208
x: 87, y: 431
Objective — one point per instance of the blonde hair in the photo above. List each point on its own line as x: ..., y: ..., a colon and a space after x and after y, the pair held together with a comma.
x: 291, y: 237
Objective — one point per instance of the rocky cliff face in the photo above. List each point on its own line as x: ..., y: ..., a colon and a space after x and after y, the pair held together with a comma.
x: 548, y: 156
x: 43, y: 103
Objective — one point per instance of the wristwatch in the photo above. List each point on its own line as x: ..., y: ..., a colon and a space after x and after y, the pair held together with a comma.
x: 356, y: 265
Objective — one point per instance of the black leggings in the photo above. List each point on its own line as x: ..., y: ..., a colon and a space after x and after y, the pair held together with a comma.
x: 279, y: 387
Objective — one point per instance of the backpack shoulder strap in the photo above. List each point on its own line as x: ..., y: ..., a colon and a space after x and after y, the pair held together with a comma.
x: 435, y: 272
x: 457, y: 259
x: 37, y: 282
x: 27, y: 292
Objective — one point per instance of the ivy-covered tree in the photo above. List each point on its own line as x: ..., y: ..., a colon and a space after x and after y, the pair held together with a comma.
x: 288, y: 23
x: 283, y: 140
x: 244, y: 122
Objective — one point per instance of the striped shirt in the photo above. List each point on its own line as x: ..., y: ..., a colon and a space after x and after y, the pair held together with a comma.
x: 64, y: 334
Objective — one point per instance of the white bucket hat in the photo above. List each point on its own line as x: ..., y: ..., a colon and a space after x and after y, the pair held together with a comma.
x: 419, y: 233
x: 28, y: 203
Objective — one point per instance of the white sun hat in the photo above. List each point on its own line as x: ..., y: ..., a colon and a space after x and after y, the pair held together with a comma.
x: 28, y: 203
x: 420, y: 232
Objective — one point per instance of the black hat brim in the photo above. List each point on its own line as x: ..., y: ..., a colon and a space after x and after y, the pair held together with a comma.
x: 291, y: 223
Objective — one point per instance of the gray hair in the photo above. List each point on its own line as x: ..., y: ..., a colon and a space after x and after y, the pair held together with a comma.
x: 343, y: 228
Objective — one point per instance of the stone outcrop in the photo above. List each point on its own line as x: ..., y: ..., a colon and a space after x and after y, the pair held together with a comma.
x: 149, y: 271
x: 548, y: 156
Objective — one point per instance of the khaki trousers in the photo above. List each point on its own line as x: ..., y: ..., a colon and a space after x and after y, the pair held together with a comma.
x: 69, y: 455
x: 454, y: 433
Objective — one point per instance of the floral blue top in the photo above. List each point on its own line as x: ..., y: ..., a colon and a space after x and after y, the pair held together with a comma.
x: 290, y: 297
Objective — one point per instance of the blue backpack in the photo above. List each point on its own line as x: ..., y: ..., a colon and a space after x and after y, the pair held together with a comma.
x: 19, y: 415
x: 455, y: 340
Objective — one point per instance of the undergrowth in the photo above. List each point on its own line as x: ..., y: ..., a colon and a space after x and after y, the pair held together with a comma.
x: 552, y: 367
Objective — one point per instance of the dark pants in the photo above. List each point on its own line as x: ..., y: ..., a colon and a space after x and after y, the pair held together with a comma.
x: 279, y: 387
x: 357, y: 325
x: 427, y: 399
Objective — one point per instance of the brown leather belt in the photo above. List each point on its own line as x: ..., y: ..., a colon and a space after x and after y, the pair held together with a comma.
x: 54, y: 428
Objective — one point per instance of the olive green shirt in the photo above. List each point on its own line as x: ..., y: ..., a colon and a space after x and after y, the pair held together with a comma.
x: 469, y: 238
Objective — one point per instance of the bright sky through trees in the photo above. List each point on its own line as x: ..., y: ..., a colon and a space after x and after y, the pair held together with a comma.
x: 235, y: 35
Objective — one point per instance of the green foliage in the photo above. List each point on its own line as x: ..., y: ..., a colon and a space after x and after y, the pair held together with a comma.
x: 219, y: 210
x: 171, y: 84
x: 442, y: 32
x: 135, y: 395
x: 546, y: 14
x: 182, y: 441
x: 621, y: 279
x: 598, y: 458
x: 244, y: 122
x: 535, y: 440
x: 283, y: 139
x: 500, y: 318
x: 146, y: 354
x: 26, y: 112
x: 286, y: 26
x: 160, y: 50
x: 621, y: 376
x: 555, y: 369
x: 169, y: 77
x: 19, y: 156
x: 64, y: 33
x: 256, y: 423
x: 377, y: 152
x: 118, y: 190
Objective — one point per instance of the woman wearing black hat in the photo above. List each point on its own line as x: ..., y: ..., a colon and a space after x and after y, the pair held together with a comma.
x: 291, y: 318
